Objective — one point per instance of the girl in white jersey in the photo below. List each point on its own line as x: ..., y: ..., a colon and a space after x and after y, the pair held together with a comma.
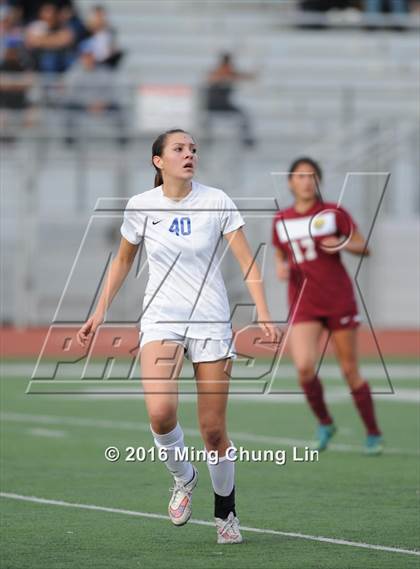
x: 185, y: 310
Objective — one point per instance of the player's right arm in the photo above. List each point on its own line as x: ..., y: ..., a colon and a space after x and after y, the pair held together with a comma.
x: 282, y: 266
x: 280, y: 255
x: 119, y: 269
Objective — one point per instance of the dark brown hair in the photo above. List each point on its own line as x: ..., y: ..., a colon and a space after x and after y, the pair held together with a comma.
x: 158, y: 148
x: 306, y: 160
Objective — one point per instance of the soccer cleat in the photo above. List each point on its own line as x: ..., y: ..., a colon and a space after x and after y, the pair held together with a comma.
x: 373, y: 445
x: 179, y: 508
x: 228, y: 530
x: 325, y: 434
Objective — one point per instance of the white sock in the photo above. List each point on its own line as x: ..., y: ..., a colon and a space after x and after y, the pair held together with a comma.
x: 222, y: 475
x: 180, y: 469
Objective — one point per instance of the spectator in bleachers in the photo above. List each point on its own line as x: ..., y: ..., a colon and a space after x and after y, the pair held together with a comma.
x: 15, y: 82
x: 91, y: 89
x: 30, y: 8
x: 51, y: 42
x: 11, y: 26
x: 325, y: 5
x: 68, y: 17
x: 220, y: 88
x: 370, y: 6
x: 103, y: 38
x: 377, y: 6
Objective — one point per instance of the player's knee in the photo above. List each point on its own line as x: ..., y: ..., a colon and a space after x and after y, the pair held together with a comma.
x: 350, y: 371
x: 306, y: 372
x: 213, y: 434
x: 163, y: 420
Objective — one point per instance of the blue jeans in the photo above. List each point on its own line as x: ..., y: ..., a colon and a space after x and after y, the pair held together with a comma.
x: 396, y: 6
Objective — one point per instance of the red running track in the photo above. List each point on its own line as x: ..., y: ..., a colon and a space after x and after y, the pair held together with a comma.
x: 122, y: 341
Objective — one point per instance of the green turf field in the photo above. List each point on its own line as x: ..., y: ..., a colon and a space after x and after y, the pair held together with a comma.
x: 53, y: 449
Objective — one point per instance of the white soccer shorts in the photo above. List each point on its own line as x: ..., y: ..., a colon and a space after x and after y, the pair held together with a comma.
x: 196, y: 349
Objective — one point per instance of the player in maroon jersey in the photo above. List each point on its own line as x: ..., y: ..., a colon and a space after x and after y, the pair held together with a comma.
x: 308, y: 238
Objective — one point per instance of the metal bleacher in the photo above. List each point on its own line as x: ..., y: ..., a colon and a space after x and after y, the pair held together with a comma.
x: 346, y: 95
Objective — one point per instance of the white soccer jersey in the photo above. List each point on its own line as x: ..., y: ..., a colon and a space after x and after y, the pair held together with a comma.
x: 185, y: 292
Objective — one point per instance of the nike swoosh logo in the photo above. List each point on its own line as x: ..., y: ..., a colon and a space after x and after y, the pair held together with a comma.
x: 155, y: 222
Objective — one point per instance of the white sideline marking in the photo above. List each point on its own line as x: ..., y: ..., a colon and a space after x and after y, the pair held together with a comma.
x: 408, y: 371
x: 40, y: 432
x: 337, y: 395
x: 145, y: 427
x: 331, y: 540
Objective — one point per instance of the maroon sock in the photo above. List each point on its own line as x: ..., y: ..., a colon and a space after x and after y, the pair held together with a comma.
x: 363, y: 400
x: 315, y: 397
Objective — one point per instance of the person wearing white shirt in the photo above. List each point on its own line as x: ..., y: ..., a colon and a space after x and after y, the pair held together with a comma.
x: 186, y: 311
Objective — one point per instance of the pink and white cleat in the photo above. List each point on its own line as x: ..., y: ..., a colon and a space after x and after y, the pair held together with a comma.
x: 228, y: 530
x: 179, y: 508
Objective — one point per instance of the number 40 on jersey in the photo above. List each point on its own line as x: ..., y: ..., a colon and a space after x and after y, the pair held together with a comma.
x: 181, y: 226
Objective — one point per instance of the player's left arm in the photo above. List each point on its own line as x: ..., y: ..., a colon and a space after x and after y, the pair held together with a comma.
x: 253, y: 279
x: 346, y: 227
x: 355, y: 245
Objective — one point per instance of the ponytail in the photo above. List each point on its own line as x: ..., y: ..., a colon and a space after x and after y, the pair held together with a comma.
x: 158, y: 178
